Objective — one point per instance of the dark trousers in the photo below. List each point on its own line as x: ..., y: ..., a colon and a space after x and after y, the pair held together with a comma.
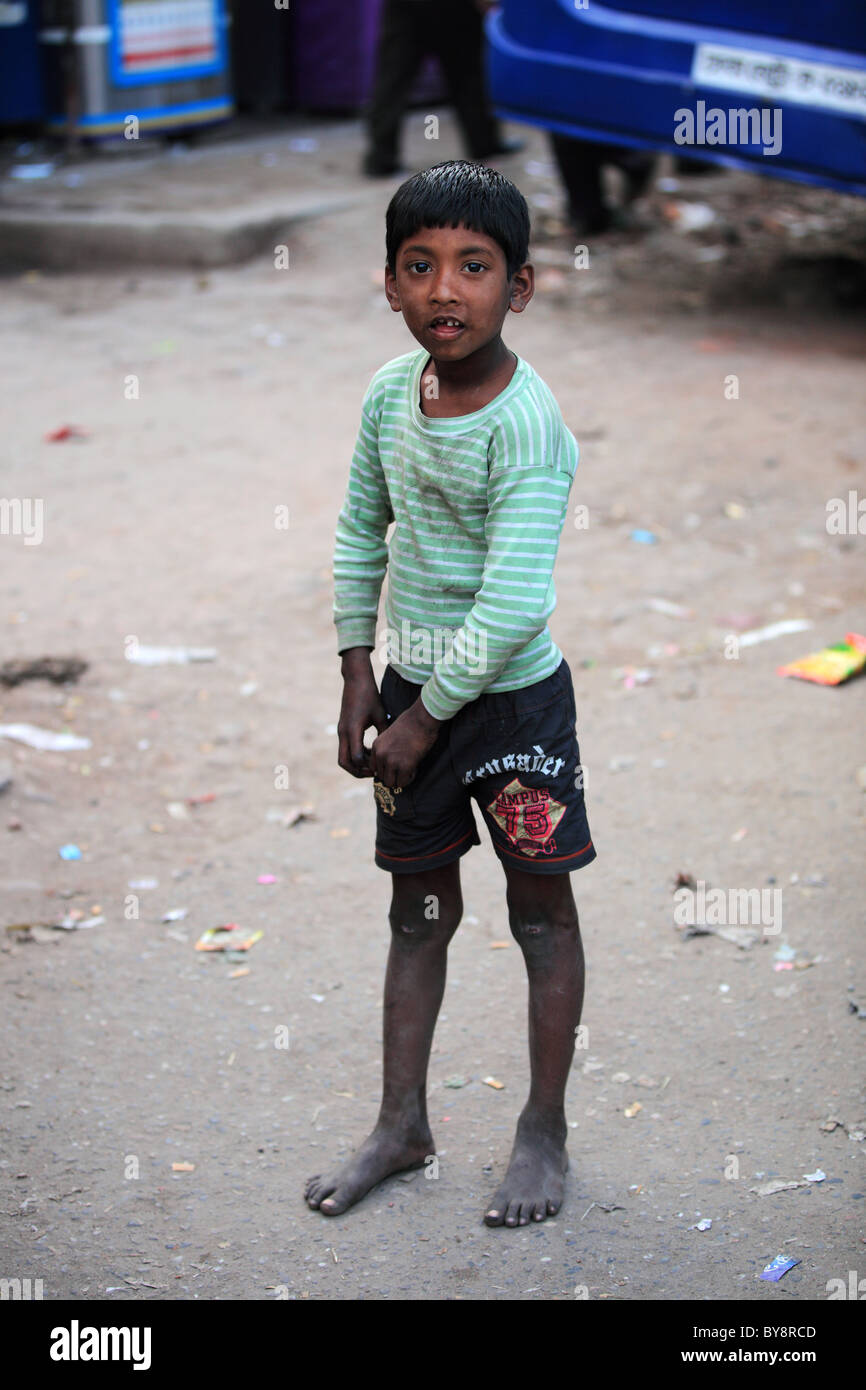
x: 452, y: 30
x: 580, y: 165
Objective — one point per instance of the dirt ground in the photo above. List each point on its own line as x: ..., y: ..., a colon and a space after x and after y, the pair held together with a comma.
x: 126, y: 1051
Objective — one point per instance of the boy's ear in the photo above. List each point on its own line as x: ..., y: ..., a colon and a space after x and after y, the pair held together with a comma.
x: 522, y: 288
x: 391, y: 292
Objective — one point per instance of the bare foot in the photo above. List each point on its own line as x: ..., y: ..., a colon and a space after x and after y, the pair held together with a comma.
x: 383, y: 1153
x: 534, y: 1184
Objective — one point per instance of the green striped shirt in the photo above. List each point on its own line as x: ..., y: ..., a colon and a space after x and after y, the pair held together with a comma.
x: 478, y: 503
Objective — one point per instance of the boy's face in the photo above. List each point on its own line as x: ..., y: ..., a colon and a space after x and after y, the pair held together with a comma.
x: 451, y: 286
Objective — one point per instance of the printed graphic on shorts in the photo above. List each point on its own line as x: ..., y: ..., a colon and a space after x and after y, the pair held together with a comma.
x: 529, y: 816
x: 385, y: 797
x: 534, y: 761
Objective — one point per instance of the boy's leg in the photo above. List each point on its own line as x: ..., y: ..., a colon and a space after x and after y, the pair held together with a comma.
x: 414, y: 985
x: 543, y: 920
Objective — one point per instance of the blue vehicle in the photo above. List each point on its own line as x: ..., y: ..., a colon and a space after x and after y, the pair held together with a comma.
x: 21, y: 94
x: 775, y: 86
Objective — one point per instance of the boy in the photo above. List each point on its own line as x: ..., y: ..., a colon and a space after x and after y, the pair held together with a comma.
x: 463, y: 447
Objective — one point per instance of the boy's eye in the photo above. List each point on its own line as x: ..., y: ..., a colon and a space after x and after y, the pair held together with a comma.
x: 421, y: 267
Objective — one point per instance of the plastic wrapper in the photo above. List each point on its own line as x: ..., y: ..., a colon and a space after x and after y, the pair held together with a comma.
x: 832, y: 665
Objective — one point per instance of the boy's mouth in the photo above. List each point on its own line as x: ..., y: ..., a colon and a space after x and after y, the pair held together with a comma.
x: 446, y: 326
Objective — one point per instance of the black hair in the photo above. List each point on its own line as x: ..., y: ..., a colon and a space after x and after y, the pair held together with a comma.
x: 460, y: 193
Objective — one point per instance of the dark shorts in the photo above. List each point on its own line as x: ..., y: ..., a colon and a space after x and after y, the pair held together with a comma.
x: 515, y: 754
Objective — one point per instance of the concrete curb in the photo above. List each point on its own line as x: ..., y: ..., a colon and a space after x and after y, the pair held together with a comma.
x: 56, y: 240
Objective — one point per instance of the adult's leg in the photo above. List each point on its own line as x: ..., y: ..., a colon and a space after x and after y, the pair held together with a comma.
x: 399, y: 52
x: 457, y: 39
x: 543, y: 919
x: 580, y: 163
x: 639, y: 167
x: 425, y: 911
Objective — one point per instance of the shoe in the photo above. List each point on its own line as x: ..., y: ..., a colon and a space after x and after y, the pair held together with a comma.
x: 381, y: 169
x: 625, y: 219
x: 696, y: 167
x: 592, y: 224
x: 503, y: 147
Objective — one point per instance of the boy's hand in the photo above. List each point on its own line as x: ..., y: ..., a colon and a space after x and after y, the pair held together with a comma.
x: 396, y: 753
x: 361, y: 708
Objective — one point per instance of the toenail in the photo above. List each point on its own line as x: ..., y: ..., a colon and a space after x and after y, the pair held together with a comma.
x: 493, y: 1213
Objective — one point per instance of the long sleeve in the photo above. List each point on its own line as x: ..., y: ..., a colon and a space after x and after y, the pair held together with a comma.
x: 527, y: 505
x: 360, y: 552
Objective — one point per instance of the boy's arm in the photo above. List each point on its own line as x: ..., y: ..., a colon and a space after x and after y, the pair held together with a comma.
x: 361, y: 708
x: 360, y: 551
x: 360, y: 561
x: 528, y: 502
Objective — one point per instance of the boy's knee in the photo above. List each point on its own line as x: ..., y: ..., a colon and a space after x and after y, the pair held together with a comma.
x: 427, y: 920
x: 538, y: 929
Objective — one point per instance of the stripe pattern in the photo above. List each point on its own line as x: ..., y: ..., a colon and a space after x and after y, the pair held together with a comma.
x: 477, y: 503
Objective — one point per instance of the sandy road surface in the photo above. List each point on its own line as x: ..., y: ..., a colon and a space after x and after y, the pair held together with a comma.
x: 125, y: 1051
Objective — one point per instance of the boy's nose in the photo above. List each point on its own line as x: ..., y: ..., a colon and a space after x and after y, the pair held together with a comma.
x: 442, y: 290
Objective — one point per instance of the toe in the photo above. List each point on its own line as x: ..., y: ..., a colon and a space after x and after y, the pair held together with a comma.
x: 512, y: 1216
x: 317, y: 1193
x: 539, y: 1211
x: 333, y: 1206
x: 498, y: 1209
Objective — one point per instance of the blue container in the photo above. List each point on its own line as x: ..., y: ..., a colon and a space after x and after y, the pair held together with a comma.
x: 21, y: 97
x: 757, y: 84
